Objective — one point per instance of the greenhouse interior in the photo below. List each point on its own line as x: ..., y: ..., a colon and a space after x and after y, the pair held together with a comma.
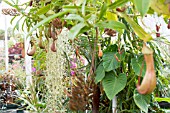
x: 84, y: 56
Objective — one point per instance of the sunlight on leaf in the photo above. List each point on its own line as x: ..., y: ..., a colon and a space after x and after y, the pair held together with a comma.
x: 74, y: 31
x: 111, y: 16
x: 142, y: 6
x: 43, y: 10
x: 118, y: 26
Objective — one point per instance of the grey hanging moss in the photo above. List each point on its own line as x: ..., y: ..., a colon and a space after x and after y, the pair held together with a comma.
x: 56, y: 66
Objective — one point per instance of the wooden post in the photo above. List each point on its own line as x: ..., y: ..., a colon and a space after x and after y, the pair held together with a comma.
x: 28, y: 63
x: 114, y: 105
x: 6, y: 45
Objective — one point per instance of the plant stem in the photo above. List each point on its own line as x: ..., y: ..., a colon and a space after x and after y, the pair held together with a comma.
x: 131, y: 79
x: 128, y: 100
x: 96, y: 89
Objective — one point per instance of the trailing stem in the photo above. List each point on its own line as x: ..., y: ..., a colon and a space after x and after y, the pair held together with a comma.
x: 96, y: 89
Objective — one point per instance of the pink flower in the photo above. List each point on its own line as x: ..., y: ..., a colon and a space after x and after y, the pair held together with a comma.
x: 72, y: 73
x: 73, y: 65
x: 33, y: 69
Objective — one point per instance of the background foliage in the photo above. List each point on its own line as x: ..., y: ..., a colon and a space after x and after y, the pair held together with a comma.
x: 113, y: 25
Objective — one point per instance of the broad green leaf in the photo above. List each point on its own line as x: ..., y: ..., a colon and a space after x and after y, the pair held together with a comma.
x: 113, y: 84
x: 117, y: 3
x: 43, y: 10
x: 103, y: 10
x: 121, y: 56
x: 116, y: 25
x: 160, y: 7
x: 100, y: 73
x: 112, y: 25
x: 111, y: 48
x: 162, y: 99
x: 139, y: 31
x: 74, y: 31
x: 142, y: 101
x: 137, y: 65
x: 45, y: 21
x: 109, y: 61
x: 111, y: 16
x: 74, y: 17
x: 142, y: 6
